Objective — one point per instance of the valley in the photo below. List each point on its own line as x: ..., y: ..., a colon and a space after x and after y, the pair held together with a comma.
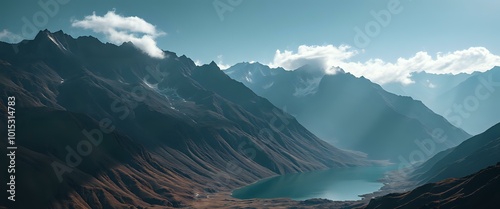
x: 127, y: 125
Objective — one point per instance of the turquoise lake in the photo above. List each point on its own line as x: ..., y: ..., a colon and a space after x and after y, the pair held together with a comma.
x: 335, y: 184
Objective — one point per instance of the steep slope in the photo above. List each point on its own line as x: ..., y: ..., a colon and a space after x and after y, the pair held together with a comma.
x: 54, y: 168
x: 479, y: 190
x: 177, y: 131
x: 351, y: 112
x: 470, y: 156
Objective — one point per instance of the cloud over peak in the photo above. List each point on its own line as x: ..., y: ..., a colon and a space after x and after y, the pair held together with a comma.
x: 7, y: 36
x: 119, y: 29
x: 380, y: 71
x: 318, y: 56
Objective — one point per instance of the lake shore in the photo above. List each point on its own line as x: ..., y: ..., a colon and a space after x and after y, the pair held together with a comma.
x: 224, y: 200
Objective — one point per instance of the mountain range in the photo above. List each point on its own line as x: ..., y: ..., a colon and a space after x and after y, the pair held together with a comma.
x: 468, y: 158
x: 466, y: 176
x: 350, y: 112
x: 106, y: 126
x: 466, y: 100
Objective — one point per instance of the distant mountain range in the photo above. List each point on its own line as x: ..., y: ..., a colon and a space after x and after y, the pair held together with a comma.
x: 468, y: 101
x: 350, y: 112
x: 426, y: 87
x: 103, y: 126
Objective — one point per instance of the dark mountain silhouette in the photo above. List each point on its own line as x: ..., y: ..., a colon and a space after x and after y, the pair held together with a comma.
x: 350, y: 112
x: 478, y: 190
x: 138, y: 131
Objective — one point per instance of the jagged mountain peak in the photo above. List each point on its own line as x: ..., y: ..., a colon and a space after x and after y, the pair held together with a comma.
x: 213, y: 64
x: 127, y: 44
x: 46, y: 35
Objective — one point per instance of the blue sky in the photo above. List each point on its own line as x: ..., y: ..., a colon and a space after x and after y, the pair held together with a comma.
x: 252, y: 30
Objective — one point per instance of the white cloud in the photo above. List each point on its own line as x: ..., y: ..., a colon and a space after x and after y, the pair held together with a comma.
x: 430, y: 84
x: 7, y: 36
x: 198, y: 63
x: 119, y: 29
x: 379, y: 71
x: 318, y: 56
x: 221, y: 64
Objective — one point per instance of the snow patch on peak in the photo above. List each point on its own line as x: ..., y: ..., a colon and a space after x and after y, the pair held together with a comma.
x: 249, y: 80
x: 307, y: 87
x: 57, y: 43
x: 151, y: 86
x: 248, y: 77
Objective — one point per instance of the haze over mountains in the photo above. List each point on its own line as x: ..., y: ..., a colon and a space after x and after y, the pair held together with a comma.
x: 426, y: 87
x: 466, y: 100
x: 107, y: 126
x: 350, y: 112
x: 470, y: 156
x: 167, y: 104
x: 461, y: 177
x: 329, y: 105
